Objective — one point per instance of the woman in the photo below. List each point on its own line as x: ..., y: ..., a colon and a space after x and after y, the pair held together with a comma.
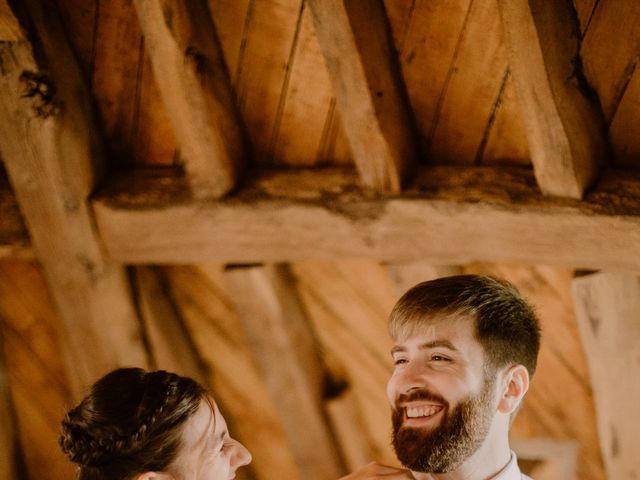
x: 137, y: 425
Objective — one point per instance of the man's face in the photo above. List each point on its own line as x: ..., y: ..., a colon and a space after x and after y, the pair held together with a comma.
x: 442, y: 401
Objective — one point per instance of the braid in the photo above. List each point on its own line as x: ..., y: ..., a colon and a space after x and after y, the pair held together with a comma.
x: 120, y: 419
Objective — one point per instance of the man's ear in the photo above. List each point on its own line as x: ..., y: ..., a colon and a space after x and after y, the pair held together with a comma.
x: 514, y: 384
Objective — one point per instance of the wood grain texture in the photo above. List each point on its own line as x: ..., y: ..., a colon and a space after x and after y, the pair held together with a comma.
x: 607, y: 306
x: 449, y: 215
x: 584, y: 10
x: 427, y: 37
x: 10, y: 29
x: 115, y: 63
x: 370, y: 96
x: 550, y: 459
x: 562, y: 371
x: 14, y: 238
x: 608, y: 64
x: 564, y: 128
x: 36, y: 370
x: 473, y: 86
x: 170, y: 342
x: 193, y: 80
x: 506, y: 137
x: 344, y: 299
x: 284, y: 346
x: 52, y: 152
x: 236, y: 381
x: 625, y: 140
x: 305, y: 104
x: 9, y: 464
x: 409, y: 274
x: 270, y: 31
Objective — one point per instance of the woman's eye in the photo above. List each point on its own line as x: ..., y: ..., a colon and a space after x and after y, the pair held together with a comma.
x: 399, y: 361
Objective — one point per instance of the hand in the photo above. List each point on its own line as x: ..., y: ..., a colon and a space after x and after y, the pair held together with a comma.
x: 377, y: 470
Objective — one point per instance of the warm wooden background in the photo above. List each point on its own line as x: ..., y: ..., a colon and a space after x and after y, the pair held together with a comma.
x: 454, y: 65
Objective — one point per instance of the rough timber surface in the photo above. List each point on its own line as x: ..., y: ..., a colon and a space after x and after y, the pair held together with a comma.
x: 281, y: 216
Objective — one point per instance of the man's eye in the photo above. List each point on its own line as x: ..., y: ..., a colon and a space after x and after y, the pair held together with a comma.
x: 439, y: 358
x: 399, y: 361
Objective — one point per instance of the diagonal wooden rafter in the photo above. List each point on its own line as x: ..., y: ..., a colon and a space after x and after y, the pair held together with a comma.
x: 449, y: 216
x: 53, y: 155
x: 169, y: 340
x: 608, y: 314
x: 195, y: 86
x: 564, y: 127
x: 358, y: 51
x: 285, y: 349
x: 10, y: 30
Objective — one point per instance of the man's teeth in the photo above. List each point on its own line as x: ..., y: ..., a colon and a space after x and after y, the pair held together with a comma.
x: 422, y: 411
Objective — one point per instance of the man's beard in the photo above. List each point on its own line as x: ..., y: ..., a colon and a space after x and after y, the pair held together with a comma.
x: 446, y: 446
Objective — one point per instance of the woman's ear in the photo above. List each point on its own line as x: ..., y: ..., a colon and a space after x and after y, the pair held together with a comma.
x: 154, y: 476
x: 514, y: 384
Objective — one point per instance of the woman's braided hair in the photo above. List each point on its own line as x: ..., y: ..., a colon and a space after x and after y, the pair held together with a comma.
x: 129, y: 423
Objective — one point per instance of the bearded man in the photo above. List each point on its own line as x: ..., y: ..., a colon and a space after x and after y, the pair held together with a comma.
x: 465, y: 349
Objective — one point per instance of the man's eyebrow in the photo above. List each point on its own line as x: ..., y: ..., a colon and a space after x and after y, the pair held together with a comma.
x: 438, y: 343
x: 427, y: 345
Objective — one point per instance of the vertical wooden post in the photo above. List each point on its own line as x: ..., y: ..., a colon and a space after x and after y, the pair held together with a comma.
x: 608, y: 313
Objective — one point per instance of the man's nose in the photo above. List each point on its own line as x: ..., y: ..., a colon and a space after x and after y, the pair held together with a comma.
x: 413, y: 377
x: 241, y: 456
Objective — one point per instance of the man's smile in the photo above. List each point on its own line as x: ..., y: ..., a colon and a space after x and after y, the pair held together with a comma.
x: 420, y: 413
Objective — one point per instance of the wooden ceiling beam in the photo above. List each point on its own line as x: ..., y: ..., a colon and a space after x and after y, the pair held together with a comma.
x: 53, y: 154
x: 565, y: 128
x: 286, y: 350
x: 194, y: 83
x: 359, y: 54
x: 608, y: 312
x: 448, y: 216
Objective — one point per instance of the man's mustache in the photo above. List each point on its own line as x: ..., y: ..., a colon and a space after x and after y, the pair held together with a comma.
x: 416, y: 395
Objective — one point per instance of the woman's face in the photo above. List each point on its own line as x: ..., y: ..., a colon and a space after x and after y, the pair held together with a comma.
x: 207, y: 451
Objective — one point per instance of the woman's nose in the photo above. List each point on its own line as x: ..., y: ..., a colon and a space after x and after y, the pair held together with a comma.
x: 241, y: 456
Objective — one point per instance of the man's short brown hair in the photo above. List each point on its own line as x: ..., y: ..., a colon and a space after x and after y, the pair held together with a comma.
x: 506, y: 325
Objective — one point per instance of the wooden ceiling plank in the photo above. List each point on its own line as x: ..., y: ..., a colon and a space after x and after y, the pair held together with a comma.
x: 9, y: 467
x: 609, y: 51
x: 409, y: 274
x: 52, y: 152
x: 607, y: 308
x: 194, y: 83
x: 285, y: 349
x: 358, y: 50
x: 170, y: 341
x: 450, y: 215
x: 564, y: 128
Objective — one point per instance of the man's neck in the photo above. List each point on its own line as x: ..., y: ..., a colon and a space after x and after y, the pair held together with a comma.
x: 484, y: 464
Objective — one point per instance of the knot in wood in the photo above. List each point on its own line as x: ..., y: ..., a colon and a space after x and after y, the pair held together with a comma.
x: 40, y: 89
